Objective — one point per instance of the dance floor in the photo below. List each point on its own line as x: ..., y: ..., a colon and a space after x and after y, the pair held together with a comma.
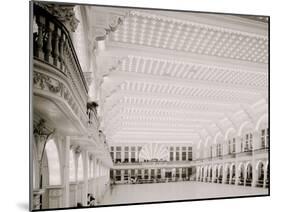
x: 136, y: 193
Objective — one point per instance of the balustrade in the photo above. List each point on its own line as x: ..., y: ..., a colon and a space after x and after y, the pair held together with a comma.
x: 61, y: 73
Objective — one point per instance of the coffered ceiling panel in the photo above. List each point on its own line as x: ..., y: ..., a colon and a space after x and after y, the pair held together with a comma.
x: 177, y: 76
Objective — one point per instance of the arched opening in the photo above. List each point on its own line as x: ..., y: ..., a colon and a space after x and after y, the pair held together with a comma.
x: 241, y: 174
x: 210, y: 174
x: 220, y: 174
x: 206, y: 175
x: 227, y: 175
x: 199, y: 173
x: 233, y: 174
x: 261, y: 176
x: 249, y: 175
x: 50, y: 172
x: 231, y: 140
x: 216, y: 175
x: 53, y: 163
x: 202, y: 174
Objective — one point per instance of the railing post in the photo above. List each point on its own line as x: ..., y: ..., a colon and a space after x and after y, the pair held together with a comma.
x: 48, y: 55
x: 40, y: 20
x: 61, y: 51
x: 57, y: 36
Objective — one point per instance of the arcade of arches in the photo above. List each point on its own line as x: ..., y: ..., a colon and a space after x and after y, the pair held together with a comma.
x: 132, y: 96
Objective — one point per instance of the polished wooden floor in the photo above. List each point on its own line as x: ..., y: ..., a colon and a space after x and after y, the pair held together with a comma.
x: 124, y: 194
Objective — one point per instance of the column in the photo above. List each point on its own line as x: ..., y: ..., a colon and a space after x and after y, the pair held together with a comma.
x: 255, y: 146
x: 122, y: 176
x: 256, y: 140
x: 180, y: 154
x: 224, y: 172
x: 230, y: 174
x: 94, y: 174
x: 265, y: 175
x: 122, y: 153
x: 65, y: 164
x: 213, y: 174
x: 180, y: 172
x: 173, y: 174
x: 85, y: 158
x: 114, y: 175
x: 236, y: 172
x: 163, y: 173
x: 114, y: 154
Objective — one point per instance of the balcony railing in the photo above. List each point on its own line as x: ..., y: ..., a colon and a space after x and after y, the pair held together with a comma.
x: 151, y: 163
x: 261, y: 150
x: 59, y: 71
x: 245, y: 153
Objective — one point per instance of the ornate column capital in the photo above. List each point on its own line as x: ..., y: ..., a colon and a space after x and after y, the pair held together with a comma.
x: 41, y: 135
x: 63, y: 12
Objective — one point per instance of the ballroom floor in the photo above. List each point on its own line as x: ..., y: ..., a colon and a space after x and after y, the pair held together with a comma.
x: 122, y: 194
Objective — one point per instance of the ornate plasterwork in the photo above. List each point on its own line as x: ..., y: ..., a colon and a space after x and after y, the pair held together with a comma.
x: 64, y: 13
x: 102, y: 33
x: 41, y: 133
x: 190, y: 71
x: 142, y: 28
x: 55, y: 87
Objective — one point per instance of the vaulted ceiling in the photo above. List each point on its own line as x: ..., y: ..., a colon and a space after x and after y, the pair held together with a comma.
x: 177, y: 76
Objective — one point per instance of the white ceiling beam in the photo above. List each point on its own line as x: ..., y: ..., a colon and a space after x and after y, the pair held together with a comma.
x: 141, y: 77
x: 125, y: 49
x: 221, y: 101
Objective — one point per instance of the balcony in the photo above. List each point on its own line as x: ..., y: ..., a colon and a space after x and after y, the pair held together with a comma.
x: 153, y: 164
x: 59, y: 88
x: 246, y: 153
x: 261, y: 150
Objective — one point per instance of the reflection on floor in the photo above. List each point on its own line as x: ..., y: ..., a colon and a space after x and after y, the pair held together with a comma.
x: 122, y: 194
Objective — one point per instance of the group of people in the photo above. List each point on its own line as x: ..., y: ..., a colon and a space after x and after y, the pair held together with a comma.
x: 90, y: 201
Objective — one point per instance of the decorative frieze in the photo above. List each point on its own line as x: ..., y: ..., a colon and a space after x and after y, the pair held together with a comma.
x: 54, y: 86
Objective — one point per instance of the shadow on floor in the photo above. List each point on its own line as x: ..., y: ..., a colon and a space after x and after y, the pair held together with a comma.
x: 23, y: 205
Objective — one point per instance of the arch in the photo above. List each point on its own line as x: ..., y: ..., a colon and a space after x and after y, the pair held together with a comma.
x: 258, y: 164
x: 249, y: 174
x: 220, y: 173
x: 262, y: 119
x: 216, y: 171
x: 243, y: 126
x: 247, y: 164
x: 232, y: 170
x: 241, y: 173
x: 199, y: 144
x: 72, y: 167
x: 219, y: 134
x: 208, y: 139
x: 261, y: 172
x: 80, y: 169
x: 53, y: 160
x: 228, y: 132
x: 228, y: 173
